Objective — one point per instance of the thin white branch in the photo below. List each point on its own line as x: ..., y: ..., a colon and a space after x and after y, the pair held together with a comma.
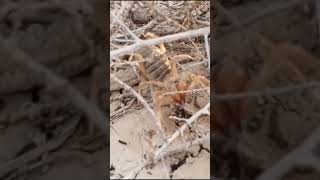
x: 156, y: 41
x: 203, y: 22
x: 180, y: 26
x: 184, y: 147
x: 124, y: 40
x: 189, y: 91
x: 137, y: 31
x: 124, y: 26
x: 192, y: 119
x: 165, y: 168
x: 179, y: 119
x: 196, y: 64
x: 136, y: 171
x: 164, y: 152
x: 142, y: 100
x: 136, y: 63
x: 133, y: 63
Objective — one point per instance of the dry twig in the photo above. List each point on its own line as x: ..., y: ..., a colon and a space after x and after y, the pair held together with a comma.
x: 193, y: 118
x: 135, y: 172
x: 126, y: 28
x: 156, y: 41
x: 142, y: 100
x: 184, y: 147
x: 189, y: 91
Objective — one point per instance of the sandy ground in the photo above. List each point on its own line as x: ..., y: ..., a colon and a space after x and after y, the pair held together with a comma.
x: 124, y: 158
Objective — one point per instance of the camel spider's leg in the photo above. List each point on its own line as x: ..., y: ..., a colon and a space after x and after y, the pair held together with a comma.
x: 173, y: 65
x: 161, y: 49
x: 142, y: 68
x: 156, y: 65
x: 182, y: 57
x: 162, y: 100
x: 154, y: 83
x: 204, y: 80
x: 160, y: 72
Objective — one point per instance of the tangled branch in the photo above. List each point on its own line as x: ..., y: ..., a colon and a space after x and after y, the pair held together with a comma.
x: 142, y: 100
x: 156, y: 41
x: 193, y: 118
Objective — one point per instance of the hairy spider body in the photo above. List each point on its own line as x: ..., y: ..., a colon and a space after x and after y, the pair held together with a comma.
x: 160, y: 71
x: 168, y: 100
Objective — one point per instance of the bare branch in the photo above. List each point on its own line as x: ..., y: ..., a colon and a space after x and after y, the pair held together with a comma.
x: 124, y: 26
x: 169, y: 151
x: 189, y: 91
x: 196, y: 64
x: 136, y: 171
x: 138, y: 31
x: 156, y: 41
x: 203, y: 22
x: 166, y: 169
x: 192, y: 119
x: 142, y: 100
x: 183, y: 147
